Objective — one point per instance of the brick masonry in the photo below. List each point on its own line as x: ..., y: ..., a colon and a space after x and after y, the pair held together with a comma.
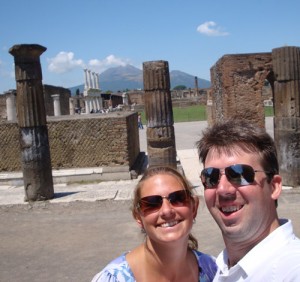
x: 94, y: 140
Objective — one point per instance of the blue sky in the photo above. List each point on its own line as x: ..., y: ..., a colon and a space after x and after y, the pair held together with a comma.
x: 98, y: 34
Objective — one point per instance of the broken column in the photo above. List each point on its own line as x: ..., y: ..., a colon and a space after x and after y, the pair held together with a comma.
x: 159, y: 113
x: 11, y: 105
x: 34, y: 143
x: 56, y: 104
x: 286, y: 67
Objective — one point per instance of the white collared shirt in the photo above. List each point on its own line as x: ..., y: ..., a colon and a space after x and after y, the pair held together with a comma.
x: 276, y: 258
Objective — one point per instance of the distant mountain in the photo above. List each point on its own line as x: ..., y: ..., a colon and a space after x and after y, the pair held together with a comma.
x: 129, y: 77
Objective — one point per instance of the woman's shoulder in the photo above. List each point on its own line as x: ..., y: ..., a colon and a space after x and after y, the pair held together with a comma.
x: 117, y: 270
x: 207, y: 265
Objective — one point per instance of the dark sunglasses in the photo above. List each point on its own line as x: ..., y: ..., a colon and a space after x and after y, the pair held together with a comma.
x: 153, y: 203
x: 238, y: 174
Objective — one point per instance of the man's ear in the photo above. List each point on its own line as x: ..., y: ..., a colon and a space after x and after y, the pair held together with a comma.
x: 276, y: 183
x: 195, y: 206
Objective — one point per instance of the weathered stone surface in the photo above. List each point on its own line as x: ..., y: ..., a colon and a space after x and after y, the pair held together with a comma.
x: 237, y: 82
x: 287, y: 137
x: 79, y: 141
x: 159, y: 112
x: 34, y: 143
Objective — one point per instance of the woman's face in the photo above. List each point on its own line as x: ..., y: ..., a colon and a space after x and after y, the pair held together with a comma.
x: 168, y: 223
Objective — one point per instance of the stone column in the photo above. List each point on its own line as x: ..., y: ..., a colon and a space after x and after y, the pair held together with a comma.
x: 56, y: 105
x: 89, y: 79
x: 125, y: 98
x: 34, y: 143
x: 72, y: 106
x: 93, y: 80
x: 159, y: 112
x: 87, y: 105
x: 97, y: 81
x: 286, y: 67
x: 11, y: 105
x: 86, y: 83
x: 196, y: 87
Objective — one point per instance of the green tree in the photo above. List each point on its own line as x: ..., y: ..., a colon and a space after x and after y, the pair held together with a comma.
x: 179, y: 87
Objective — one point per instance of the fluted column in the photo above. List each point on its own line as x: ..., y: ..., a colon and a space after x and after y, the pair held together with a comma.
x: 159, y: 113
x: 11, y: 106
x: 286, y: 67
x: 86, y: 83
x: 93, y: 80
x: 89, y: 79
x: 56, y: 105
x: 34, y: 143
x: 71, y: 106
x: 97, y: 81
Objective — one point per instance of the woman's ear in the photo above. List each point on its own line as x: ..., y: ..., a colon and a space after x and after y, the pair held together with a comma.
x: 276, y: 183
x: 138, y: 219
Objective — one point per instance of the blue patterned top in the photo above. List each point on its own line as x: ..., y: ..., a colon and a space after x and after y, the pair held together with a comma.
x: 119, y: 270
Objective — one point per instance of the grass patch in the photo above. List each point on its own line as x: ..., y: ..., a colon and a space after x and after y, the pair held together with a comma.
x: 196, y: 113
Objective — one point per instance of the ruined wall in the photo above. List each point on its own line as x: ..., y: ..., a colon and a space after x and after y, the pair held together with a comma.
x: 64, y: 95
x: 49, y: 90
x: 237, y: 83
x: 79, y: 141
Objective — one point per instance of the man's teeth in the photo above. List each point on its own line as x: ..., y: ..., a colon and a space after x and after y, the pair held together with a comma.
x: 169, y: 224
x: 231, y: 208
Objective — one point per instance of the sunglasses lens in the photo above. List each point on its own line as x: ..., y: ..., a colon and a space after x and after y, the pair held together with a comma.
x: 210, y: 177
x: 150, y: 204
x: 178, y: 198
x: 240, y: 174
x: 153, y: 203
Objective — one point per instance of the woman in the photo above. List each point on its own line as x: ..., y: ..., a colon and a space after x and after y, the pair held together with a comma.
x: 165, y: 208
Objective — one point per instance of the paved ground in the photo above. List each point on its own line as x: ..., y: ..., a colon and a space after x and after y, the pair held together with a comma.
x: 75, y: 235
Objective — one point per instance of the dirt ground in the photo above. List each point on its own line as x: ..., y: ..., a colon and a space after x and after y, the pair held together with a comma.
x: 73, y: 241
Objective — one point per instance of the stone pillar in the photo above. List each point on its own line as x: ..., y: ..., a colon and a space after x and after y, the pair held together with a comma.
x: 159, y: 112
x: 72, y: 106
x: 34, y: 143
x: 97, y: 81
x: 86, y: 83
x: 11, y: 106
x: 89, y: 79
x: 125, y: 98
x: 196, y: 86
x: 87, y: 105
x: 93, y: 80
x: 56, y: 105
x: 286, y: 67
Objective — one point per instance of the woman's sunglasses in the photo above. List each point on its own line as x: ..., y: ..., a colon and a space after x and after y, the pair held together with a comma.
x: 238, y: 174
x: 153, y: 203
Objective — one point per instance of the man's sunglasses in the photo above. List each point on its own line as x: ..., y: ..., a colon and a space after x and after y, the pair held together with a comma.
x: 238, y: 174
x: 153, y: 203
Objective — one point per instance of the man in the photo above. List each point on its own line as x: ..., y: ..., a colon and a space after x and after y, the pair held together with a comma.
x: 241, y: 189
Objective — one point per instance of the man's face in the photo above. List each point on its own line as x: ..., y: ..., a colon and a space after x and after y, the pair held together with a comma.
x: 245, y: 214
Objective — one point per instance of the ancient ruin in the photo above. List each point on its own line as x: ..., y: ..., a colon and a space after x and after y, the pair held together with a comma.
x: 33, y: 132
x: 159, y: 113
x: 237, y: 85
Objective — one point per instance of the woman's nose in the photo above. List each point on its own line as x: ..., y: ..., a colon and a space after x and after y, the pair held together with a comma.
x: 166, y: 207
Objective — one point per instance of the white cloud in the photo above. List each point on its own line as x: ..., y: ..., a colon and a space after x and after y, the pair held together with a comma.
x: 211, y: 29
x: 64, y: 62
x: 108, y: 62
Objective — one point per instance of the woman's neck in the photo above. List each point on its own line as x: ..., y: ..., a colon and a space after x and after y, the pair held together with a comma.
x: 155, y: 262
